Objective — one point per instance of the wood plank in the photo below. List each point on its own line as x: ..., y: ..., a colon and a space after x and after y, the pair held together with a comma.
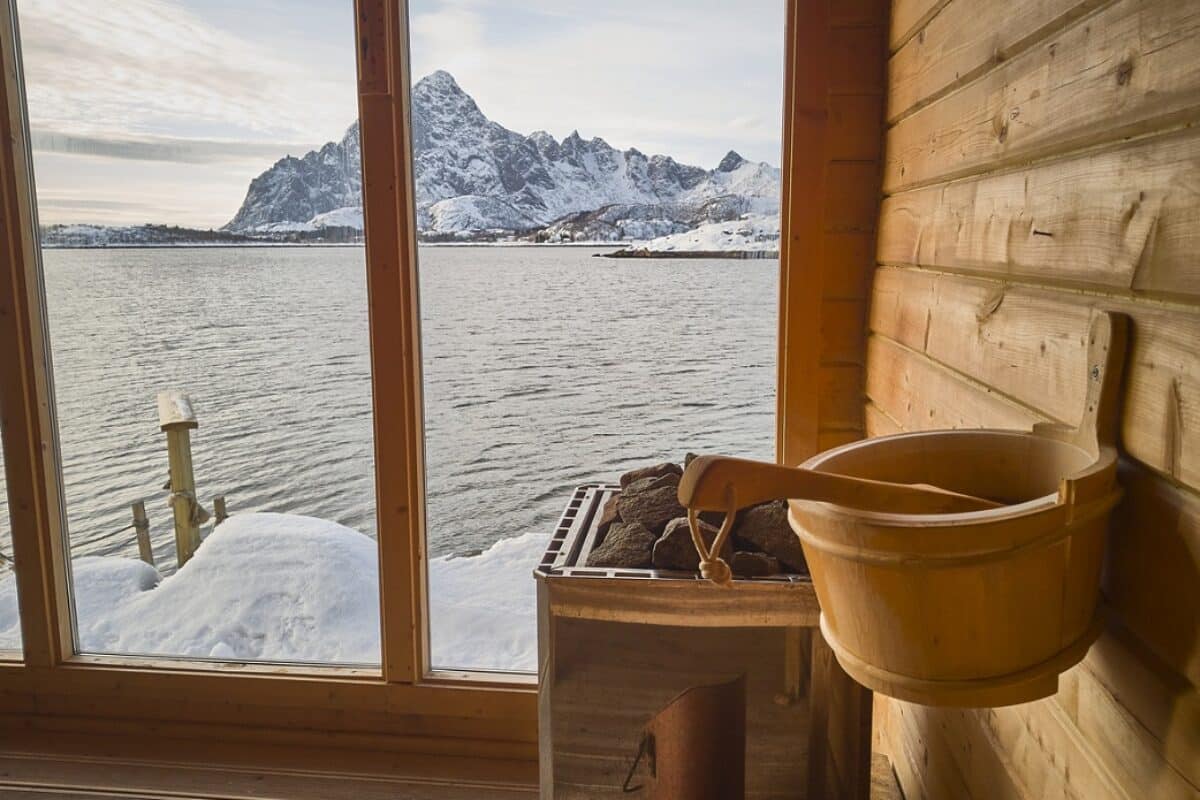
x: 63, y: 777
x: 920, y: 395
x: 685, y: 602
x: 843, y: 331
x: 1128, y: 70
x: 802, y: 239
x: 852, y: 196
x: 1026, y: 343
x: 926, y: 767
x: 883, y: 780
x: 854, y: 13
x: 1151, y: 717
x: 910, y: 16
x: 878, y: 423
x: 1126, y: 218
x: 967, y: 39
x: 856, y: 127
x: 839, y: 762
x: 841, y: 397
x: 1047, y: 754
x: 848, y: 264
x: 1152, y: 578
x: 1010, y: 340
x: 858, y: 59
x: 1131, y: 755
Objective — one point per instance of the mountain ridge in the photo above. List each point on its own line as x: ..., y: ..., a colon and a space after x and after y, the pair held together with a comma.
x: 475, y: 179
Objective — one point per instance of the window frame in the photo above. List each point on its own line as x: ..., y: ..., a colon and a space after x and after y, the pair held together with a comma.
x: 404, y: 705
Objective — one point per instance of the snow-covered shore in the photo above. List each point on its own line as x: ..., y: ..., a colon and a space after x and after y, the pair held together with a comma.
x: 752, y: 233
x: 283, y: 587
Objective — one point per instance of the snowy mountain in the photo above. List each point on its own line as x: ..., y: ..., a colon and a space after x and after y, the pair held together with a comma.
x: 475, y: 178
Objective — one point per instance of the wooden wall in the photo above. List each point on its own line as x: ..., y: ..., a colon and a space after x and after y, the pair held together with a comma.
x: 1042, y: 160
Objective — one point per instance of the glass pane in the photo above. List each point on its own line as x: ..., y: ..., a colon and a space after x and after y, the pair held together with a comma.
x: 198, y: 182
x: 545, y: 135
x: 10, y: 613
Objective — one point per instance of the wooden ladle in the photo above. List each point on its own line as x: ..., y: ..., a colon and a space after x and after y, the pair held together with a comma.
x: 718, y: 483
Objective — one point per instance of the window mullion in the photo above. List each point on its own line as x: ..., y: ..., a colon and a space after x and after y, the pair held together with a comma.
x: 395, y: 359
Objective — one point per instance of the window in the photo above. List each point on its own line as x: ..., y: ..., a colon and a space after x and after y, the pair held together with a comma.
x: 198, y: 180
x: 546, y: 365
x: 395, y: 704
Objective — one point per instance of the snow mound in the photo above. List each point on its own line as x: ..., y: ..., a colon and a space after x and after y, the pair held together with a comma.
x: 283, y: 587
x: 346, y: 217
x: 753, y: 232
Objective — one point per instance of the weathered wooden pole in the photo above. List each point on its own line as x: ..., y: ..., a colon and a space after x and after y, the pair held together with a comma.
x: 219, y: 512
x: 176, y: 419
x: 141, y: 525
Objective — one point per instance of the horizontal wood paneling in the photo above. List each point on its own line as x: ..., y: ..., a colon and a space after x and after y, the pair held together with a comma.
x: 967, y: 39
x: 1153, y: 571
x: 1129, y: 69
x: 1126, y: 219
x: 909, y: 17
x: 1028, y: 343
x: 919, y: 394
x: 1041, y: 164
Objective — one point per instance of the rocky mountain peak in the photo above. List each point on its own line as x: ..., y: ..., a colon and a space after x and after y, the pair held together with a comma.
x: 730, y: 162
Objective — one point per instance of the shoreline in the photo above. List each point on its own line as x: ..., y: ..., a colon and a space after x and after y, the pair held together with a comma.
x: 744, y: 255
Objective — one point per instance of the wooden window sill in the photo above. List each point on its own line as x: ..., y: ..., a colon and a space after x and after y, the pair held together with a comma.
x: 40, y: 764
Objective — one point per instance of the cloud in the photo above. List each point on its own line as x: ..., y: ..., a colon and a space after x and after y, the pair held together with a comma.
x: 154, y: 67
x: 691, y: 79
x: 162, y: 148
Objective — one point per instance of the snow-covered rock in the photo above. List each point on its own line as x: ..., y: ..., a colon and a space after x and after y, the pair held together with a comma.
x: 282, y: 587
x: 473, y: 175
x: 750, y: 233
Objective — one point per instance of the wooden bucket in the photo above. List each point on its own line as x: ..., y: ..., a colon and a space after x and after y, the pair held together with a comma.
x: 983, y: 608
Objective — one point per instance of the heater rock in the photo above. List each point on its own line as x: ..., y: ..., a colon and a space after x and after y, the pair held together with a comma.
x: 628, y: 545
x: 675, y: 550
x: 652, y: 482
x: 608, y: 515
x: 657, y: 471
x: 765, y: 527
x: 754, y: 565
x: 653, y: 507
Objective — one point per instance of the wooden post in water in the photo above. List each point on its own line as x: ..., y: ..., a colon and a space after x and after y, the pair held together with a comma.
x: 219, y: 512
x: 141, y: 526
x: 176, y: 419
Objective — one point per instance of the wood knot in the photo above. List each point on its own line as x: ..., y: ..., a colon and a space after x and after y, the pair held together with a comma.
x: 989, y: 306
x: 1124, y: 72
x: 1002, y: 130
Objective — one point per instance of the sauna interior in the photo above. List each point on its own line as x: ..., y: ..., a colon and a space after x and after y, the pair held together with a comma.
x: 968, y: 186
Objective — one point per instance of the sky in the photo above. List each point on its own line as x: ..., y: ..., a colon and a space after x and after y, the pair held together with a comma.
x: 164, y: 110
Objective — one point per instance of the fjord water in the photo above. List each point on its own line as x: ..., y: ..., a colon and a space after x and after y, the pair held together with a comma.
x: 544, y: 368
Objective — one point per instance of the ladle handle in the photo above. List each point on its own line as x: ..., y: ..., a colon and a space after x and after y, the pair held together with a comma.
x: 718, y: 483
